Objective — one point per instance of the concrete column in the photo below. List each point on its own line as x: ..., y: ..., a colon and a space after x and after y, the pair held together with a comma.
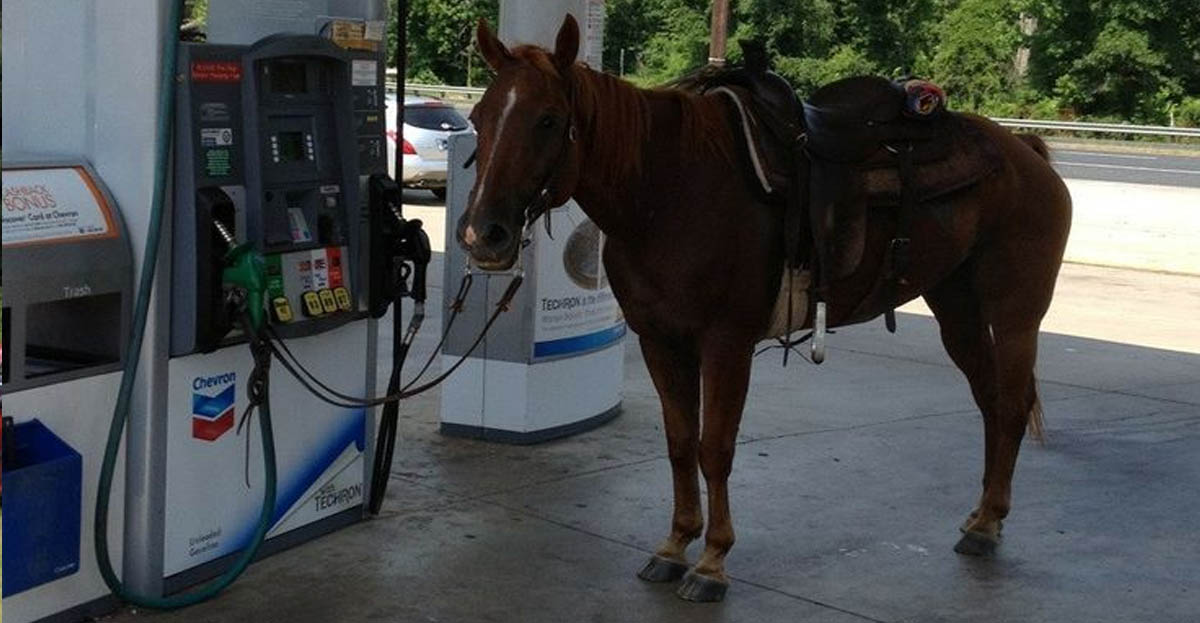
x: 538, y: 21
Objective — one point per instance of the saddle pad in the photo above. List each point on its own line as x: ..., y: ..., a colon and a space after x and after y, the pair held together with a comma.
x: 793, y: 289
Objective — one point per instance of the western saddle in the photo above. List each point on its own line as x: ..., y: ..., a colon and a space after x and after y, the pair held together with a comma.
x: 853, y: 144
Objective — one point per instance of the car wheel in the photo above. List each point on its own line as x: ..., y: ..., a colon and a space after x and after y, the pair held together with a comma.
x: 440, y: 193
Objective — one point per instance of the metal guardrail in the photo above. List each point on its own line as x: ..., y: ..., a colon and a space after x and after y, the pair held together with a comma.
x: 472, y: 94
x: 1100, y: 128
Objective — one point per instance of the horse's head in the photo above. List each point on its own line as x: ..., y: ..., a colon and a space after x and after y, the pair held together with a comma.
x: 527, y: 158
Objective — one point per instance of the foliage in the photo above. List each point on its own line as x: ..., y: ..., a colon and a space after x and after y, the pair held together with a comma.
x: 809, y: 73
x: 676, y: 41
x: 973, y: 61
x: 1132, y: 60
x: 1188, y: 112
x: 441, y: 39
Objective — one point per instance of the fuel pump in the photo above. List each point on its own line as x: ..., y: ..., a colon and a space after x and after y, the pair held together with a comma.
x: 276, y: 245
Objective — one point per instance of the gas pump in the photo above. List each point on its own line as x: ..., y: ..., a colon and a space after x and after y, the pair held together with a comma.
x: 267, y: 148
x: 274, y: 241
x: 283, y: 233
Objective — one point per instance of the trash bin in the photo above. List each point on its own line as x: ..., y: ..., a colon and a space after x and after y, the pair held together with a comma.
x: 42, y: 499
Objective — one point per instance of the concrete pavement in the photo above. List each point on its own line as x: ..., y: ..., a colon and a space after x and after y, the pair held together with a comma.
x: 849, y: 483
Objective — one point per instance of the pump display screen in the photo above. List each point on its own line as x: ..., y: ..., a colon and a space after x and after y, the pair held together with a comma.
x: 291, y: 146
x: 289, y: 77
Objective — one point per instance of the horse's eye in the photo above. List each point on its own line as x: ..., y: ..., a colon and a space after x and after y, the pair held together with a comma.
x: 546, y: 122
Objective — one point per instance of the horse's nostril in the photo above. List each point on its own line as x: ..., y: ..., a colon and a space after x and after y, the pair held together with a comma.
x: 495, y: 235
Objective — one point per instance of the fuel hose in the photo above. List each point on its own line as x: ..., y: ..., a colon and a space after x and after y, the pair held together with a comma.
x: 162, y: 154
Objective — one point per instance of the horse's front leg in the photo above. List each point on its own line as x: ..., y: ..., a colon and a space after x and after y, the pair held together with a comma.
x: 675, y: 369
x: 725, y: 369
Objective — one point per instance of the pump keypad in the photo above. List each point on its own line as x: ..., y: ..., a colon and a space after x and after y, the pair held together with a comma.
x: 312, y: 281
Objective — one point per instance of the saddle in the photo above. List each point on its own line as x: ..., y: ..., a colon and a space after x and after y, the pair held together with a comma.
x: 874, y: 142
x: 855, y: 144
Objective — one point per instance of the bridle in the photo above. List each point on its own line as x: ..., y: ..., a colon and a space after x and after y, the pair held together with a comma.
x: 539, y: 205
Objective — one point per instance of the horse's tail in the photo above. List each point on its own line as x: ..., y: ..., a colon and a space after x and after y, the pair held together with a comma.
x: 1036, y: 143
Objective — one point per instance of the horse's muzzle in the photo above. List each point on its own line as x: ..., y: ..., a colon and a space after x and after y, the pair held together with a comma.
x: 493, y: 246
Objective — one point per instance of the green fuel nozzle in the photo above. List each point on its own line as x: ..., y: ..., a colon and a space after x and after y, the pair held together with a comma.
x: 245, y: 273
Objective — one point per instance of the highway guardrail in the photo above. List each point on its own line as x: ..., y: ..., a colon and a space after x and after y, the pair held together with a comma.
x: 472, y: 94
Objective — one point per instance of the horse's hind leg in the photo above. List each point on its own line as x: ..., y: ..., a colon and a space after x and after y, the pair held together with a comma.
x: 676, y: 373
x: 992, y: 338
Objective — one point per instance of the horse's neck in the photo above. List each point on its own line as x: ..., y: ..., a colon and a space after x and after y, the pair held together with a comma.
x: 617, y: 121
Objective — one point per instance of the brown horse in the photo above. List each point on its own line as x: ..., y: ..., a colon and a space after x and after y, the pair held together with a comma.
x: 695, y: 254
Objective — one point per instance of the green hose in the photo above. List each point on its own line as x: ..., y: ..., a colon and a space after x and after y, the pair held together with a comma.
x: 166, y: 107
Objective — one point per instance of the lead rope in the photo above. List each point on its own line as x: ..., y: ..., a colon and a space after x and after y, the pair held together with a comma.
x: 338, y: 399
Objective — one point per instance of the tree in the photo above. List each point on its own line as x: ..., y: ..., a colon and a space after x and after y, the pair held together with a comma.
x: 973, y: 61
x: 676, y: 43
x: 1120, y: 75
x: 1130, y: 59
x: 441, y: 37
x: 894, y: 35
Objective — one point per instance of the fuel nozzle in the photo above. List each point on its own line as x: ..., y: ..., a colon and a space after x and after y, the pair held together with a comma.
x: 400, y: 247
x: 244, y: 276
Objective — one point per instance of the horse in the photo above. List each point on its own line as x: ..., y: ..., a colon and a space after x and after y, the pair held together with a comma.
x: 695, y: 254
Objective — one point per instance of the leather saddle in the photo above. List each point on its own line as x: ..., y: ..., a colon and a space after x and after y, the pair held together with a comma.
x: 867, y: 146
x: 855, y: 143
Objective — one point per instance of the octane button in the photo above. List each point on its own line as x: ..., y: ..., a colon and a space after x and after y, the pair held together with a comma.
x: 328, y: 302
x: 343, y: 298
x: 312, y: 304
x: 282, y: 309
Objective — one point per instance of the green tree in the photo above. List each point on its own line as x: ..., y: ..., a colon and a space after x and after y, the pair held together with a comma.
x: 790, y: 28
x: 627, y: 27
x: 441, y: 39
x: 809, y: 73
x: 677, y: 44
x: 1121, y: 75
x: 973, y: 61
x: 897, y: 36
x: 1128, y: 59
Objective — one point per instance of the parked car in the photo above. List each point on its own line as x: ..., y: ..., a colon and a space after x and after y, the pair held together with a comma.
x: 428, y: 124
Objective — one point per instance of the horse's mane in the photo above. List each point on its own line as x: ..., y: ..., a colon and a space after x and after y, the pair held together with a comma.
x: 619, y: 122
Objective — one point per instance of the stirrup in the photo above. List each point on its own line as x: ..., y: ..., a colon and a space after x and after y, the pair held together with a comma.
x: 818, y: 340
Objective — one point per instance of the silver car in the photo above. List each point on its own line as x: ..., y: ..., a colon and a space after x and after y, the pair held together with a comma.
x: 428, y: 123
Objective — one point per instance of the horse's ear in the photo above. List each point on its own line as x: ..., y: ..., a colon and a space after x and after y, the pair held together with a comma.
x: 490, y: 47
x: 566, y: 46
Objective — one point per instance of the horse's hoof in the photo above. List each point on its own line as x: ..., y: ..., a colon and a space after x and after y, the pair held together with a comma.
x: 966, y: 525
x: 699, y: 587
x: 976, y: 544
x: 659, y: 569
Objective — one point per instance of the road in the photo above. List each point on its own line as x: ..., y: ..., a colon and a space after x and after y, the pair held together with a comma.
x: 1157, y: 170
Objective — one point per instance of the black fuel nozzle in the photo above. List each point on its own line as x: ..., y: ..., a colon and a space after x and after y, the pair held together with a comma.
x: 416, y: 249
x: 399, y: 247
x: 385, y: 194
